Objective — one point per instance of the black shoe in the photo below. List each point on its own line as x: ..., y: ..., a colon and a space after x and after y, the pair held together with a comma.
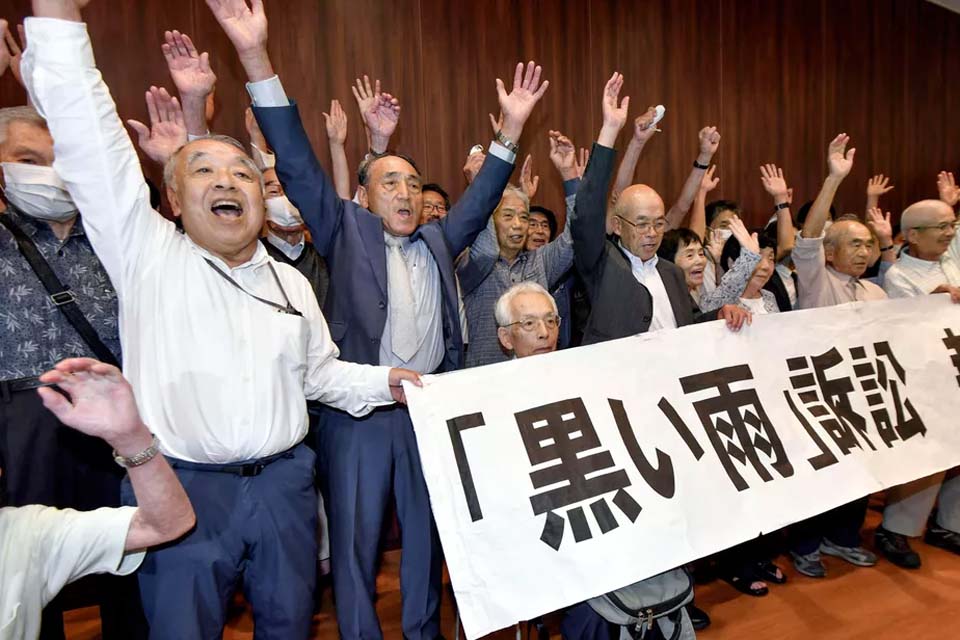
x: 943, y: 538
x: 896, y: 549
x: 698, y: 617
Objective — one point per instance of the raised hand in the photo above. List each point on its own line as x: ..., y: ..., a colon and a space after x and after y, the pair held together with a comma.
x: 253, y: 130
x: 614, y: 111
x: 947, y: 188
x: 381, y: 119
x: 643, y: 128
x: 101, y: 402
x: 528, y: 181
x: 774, y: 183
x: 517, y: 105
x: 472, y: 166
x: 167, y: 131
x: 747, y: 240
x: 709, y: 143
x: 364, y: 94
x: 563, y: 155
x: 582, y: 161
x: 877, y: 186
x: 5, y: 54
x: 190, y: 70
x: 880, y: 223
x: 246, y: 26
x: 709, y: 183
x: 336, y: 122
x: 715, y: 244
x: 839, y: 159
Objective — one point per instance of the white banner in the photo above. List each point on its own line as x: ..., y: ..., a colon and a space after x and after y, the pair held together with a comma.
x: 560, y: 477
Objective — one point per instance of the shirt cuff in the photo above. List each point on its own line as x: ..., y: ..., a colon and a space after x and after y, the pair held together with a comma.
x: 268, y: 93
x: 570, y: 187
x: 191, y: 137
x: 263, y: 159
x: 500, y: 151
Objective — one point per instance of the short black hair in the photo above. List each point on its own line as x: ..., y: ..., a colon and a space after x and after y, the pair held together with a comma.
x: 433, y: 186
x: 363, y: 173
x: 550, y: 216
x: 717, y: 207
x: 675, y: 240
x: 805, y: 211
x: 731, y: 249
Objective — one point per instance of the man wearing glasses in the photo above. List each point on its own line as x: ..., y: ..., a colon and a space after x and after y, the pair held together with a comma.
x: 527, y: 320
x: 931, y: 264
x: 436, y: 203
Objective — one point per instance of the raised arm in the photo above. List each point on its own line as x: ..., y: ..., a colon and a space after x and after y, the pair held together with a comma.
x: 882, y: 227
x: 101, y: 404
x: 776, y: 185
x: 94, y: 155
x: 167, y: 131
x: 839, y: 163
x: 877, y: 186
x: 735, y: 279
x: 947, y: 188
x: 193, y: 77
x: 709, y: 141
x: 643, y: 130
x: 380, y: 113
x: 698, y: 216
x: 337, y: 135
x: 588, y: 222
x: 563, y: 155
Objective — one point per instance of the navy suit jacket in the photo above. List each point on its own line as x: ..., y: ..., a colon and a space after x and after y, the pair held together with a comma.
x: 351, y: 239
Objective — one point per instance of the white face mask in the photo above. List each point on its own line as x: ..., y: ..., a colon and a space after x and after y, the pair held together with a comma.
x: 38, y: 192
x: 281, y: 211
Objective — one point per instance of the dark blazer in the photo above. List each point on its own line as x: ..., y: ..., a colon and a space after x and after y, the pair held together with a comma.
x: 351, y: 239
x: 621, y: 306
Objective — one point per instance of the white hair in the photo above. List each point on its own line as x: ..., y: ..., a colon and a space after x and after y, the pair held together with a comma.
x: 10, y: 115
x: 504, y: 309
x: 513, y: 190
x: 170, y: 167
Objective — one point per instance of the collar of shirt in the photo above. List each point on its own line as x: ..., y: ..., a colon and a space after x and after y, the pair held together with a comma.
x: 639, y: 263
x: 854, y: 282
x: 917, y: 264
x: 292, y: 251
x: 260, y: 257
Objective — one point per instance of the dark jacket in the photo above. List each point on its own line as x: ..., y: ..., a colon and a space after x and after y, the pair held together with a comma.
x: 621, y: 306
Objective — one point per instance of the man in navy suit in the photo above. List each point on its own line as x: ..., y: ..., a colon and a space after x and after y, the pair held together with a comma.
x: 392, y: 298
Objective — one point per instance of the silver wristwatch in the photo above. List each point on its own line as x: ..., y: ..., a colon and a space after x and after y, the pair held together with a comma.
x: 507, y: 142
x: 141, y: 458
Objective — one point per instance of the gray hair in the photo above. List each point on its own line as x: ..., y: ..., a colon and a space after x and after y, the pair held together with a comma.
x: 10, y: 115
x: 504, y: 309
x: 514, y: 190
x: 170, y: 167
x: 838, y: 231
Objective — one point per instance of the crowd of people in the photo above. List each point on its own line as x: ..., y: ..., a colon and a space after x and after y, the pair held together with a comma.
x: 267, y: 323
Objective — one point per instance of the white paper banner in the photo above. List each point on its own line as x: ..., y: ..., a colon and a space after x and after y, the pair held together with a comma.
x: 601, y: 451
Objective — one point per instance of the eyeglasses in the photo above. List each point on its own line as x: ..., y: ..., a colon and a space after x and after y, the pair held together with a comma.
x: 657, y: 225
x: 436, y: 208
x: 539, y: 225
x: 551, y: 322
x: 943, y: 226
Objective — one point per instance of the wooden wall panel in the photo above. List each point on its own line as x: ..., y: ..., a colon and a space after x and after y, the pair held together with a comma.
x: 778, y: 78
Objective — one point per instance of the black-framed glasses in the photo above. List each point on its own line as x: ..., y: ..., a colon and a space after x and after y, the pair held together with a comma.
x: 943, y: 226
x: 657, y: 225
x: 551, y: 322
x: 436, y: 208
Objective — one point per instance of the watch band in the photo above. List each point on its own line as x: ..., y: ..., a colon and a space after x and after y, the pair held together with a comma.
x: 782, y: 205
x: 507, y: 142
x: 700, y: 166
x: 882, y: 249
x: 141, y: 458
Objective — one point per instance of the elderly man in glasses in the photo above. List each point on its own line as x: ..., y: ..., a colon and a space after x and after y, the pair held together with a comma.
x: 527, y: 320
x: 931, y: 264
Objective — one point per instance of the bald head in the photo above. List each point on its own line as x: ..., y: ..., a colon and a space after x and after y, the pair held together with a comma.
x: 638, y: 218
x: 928, y: 228
x: 638, y: 197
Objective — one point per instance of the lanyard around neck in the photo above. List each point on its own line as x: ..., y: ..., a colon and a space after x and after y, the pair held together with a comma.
x: 289, y: 308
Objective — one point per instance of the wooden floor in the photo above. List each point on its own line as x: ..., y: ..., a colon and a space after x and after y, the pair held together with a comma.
x: 878, y: 603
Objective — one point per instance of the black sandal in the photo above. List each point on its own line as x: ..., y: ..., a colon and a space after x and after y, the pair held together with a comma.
x: 742, y: 584
x: 767, y: 571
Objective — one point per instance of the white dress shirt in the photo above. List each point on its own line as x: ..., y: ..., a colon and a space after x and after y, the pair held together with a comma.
x: 42, y: 549
x: 292, y: 251
x: 820, y: 285
x: 915, y: 277
x: 647, y: 274
x: 219, y: 376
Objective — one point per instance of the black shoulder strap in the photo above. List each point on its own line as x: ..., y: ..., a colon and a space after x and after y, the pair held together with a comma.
x: 60, y: 295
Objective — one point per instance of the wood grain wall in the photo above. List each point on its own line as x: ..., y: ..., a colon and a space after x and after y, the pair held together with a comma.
x: 779, y: 78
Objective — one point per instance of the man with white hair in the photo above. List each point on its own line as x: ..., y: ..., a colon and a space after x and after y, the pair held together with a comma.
x: 829, y: 269
x: 222, y: 344
x: 527, y: 320
x: 931, y: 264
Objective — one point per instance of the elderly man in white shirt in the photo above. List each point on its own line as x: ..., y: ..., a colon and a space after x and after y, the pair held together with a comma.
x: 222, y: 344
x: 42, y: 548
x: 931, y: 264
x: 829, y: 266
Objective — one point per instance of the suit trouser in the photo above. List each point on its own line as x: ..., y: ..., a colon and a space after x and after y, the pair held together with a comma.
x: 47, y: 462
x: 261, y: 528
x: 909, y: 505
x: 361, y: 460
x: 840, y: 526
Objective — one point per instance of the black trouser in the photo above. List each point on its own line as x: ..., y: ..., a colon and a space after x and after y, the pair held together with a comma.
x: 46, y: 462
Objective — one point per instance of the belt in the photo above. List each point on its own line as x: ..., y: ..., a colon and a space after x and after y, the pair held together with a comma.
x: 242, y: 469
x: 8, y: 387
